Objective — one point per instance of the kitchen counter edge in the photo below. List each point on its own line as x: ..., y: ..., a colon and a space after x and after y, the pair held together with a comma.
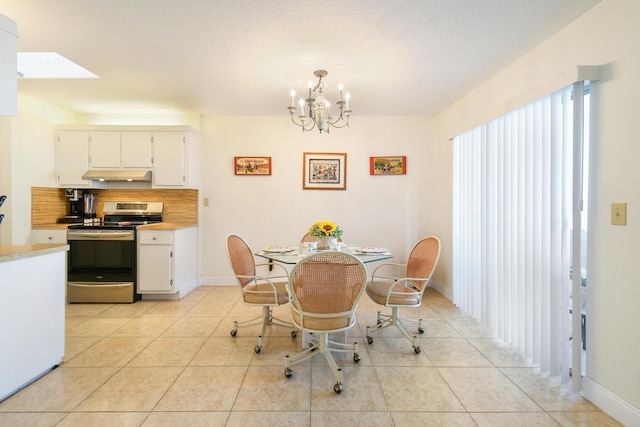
x: 15, y: 252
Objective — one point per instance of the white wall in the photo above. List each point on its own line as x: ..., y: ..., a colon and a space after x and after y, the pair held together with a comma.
x: 606, y: 35
x: 28, y: 141
x: 267, y: 210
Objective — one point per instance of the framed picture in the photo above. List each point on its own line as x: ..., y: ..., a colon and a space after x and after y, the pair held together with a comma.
x: 324, y: 171
x: 252, y: 165
x: 388, y: 165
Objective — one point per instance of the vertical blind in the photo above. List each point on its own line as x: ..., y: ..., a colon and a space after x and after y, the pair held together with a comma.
x: 512, y: 220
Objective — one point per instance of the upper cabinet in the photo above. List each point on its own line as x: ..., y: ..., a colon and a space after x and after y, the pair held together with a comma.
x: 176, y: 159
x: 72, y: 158
x: 8, y: 67
x: 135, y: 150
x: 171, y: 153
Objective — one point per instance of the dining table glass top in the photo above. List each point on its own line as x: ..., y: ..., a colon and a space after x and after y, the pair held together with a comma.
x: 294, y: 254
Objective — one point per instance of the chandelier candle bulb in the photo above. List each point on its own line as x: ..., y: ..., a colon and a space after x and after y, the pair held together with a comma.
x: 293, y: 95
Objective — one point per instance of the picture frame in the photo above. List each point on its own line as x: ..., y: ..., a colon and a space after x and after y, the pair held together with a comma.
x: 388, y: 165
x: 324, y: 171
x: 252, y: 165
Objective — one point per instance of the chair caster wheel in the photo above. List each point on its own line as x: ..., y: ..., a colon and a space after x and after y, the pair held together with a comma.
x: 356, y: 357
x: 233, y: 332
x: 421, y: 330
x: 417, y: 349
x: 288, y: 372
x: 257, y: 349
x: 369, y: 340
x: 337, y: 388
x: 294, y: 334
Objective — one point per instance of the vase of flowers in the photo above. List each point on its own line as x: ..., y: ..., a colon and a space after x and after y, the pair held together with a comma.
x: 327, y: 233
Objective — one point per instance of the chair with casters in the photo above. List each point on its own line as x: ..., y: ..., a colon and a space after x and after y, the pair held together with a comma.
x: 404, y: 289
x: 266, y: 291
x: 324, y: 291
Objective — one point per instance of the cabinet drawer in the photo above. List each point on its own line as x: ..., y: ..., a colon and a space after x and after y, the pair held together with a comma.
x: 155, y: 238
x: 49, y: 236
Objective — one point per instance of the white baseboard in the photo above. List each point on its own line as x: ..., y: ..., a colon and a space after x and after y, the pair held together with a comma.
x: 444, y: 290
x: 623, y: 412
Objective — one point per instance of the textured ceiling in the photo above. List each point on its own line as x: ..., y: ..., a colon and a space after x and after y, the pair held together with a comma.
x: 242, y: 57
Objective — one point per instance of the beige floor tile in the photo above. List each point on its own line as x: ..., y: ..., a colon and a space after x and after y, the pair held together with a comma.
x: 170, y: 308
x: 72, y: 322
x: 599, y: 419
x: 421, y: 419
x: 190, y: 419
x: 468, y: 327
x: 110, y: 351
x: 487, y: 390
x: 348, y: 418
x: 210, y: 308
x: 265, y: 388
x: 145, y: 326
x: 453, y: 352
x: 509, y: 419
x: 548, y: 392
x: 361, y: 390
x: 168, y: 351
x: 76, y: 345
x: 396, y: 352
x: 226, y: 351
x: 402, y: 385
x: 81, y: 310
x: 270, y: 418
x: 103, y: 419
x: 128, y: 310
x: 197, y: 326
x: 203, y: 389
x: 132, y: 389
x: 97, y: 327
x: 61, y: 390
x: 499, y: 354
x: 274, y: 349
x: 31, y: 419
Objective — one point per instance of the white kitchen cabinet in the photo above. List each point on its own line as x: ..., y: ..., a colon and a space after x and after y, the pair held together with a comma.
x: 72, y: 158
x: 8, y: 67
x: 172, y: 153
x: 175, y: 159
x: 49, y: 236
x: 104, y: 150
x: 135, y: 150
x: 167, y: 262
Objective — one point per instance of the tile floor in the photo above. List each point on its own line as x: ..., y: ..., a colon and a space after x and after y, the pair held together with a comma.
x: 173, y: 363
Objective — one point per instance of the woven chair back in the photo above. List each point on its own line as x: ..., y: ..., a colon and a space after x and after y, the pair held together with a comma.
x: 423, y: 260
x: 241, y: 259
x: 326, y: 288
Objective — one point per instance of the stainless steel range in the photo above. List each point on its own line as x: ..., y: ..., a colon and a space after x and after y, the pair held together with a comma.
x: 102, y: 265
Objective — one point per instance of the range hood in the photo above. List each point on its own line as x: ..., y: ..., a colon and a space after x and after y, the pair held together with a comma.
x: 117, y: 175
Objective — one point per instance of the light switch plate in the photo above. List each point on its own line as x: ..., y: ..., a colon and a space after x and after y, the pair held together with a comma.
x: 619, y: 213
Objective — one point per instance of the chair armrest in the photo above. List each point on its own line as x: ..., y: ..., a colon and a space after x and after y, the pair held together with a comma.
x: 394, y: 266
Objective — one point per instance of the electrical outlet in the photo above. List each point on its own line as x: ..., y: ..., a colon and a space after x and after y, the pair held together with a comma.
x: 619, y: 213
x: 205, y: 202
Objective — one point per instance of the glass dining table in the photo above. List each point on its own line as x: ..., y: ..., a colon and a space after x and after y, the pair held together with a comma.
x: 293, y: 254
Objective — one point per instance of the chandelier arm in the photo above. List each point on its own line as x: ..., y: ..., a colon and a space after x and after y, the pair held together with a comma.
x: 305, y: 126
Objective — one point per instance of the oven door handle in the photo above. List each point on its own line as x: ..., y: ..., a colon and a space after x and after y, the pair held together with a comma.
x: 101, y: 285
x: 102, y: 236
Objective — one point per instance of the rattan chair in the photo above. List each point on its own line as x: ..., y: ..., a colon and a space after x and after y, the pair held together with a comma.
x: 266, y: 291
x: 403, y: 290
x: 325, y: 289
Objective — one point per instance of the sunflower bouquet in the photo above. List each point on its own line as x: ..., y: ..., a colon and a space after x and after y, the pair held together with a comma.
x: 324, y: 228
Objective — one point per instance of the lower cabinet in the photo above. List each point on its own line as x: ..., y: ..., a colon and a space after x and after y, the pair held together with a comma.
x: 167, y: 262
x: 50, y: 235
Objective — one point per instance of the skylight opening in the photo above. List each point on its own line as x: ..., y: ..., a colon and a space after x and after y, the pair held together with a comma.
x: 50, y: 65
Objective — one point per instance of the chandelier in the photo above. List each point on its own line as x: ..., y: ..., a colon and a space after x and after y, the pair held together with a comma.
x: 318, y: 113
